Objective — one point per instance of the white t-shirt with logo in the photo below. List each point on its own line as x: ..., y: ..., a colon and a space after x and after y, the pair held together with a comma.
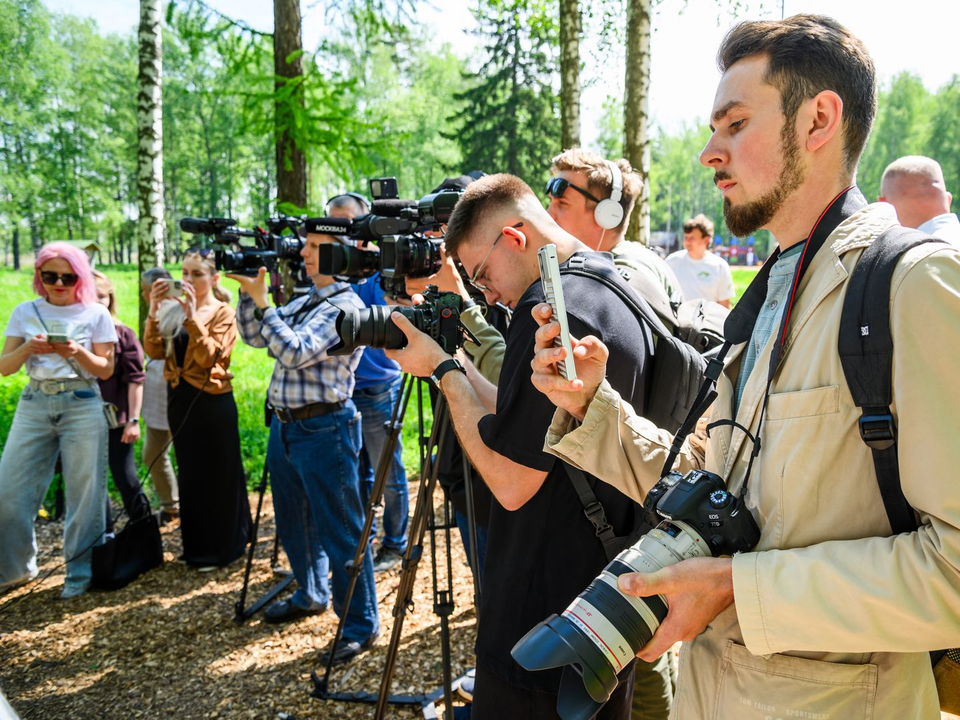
x: 86, y: 324
x: 708, y: 278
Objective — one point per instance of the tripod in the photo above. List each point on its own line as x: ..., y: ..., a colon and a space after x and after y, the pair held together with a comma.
x: 242, y: 612
x: 422, y: 520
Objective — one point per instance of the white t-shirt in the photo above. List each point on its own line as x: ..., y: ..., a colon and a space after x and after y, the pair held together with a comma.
x: 86, y: 324
x: 708, y: 278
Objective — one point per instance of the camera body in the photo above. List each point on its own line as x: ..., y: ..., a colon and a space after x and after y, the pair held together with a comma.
x: 438, y: 316
x: 398, y: 227
x: 602, y: 630
x: 701, y: 500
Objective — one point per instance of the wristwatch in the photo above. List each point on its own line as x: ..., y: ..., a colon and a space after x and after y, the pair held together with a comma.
x: 445, y: 367
x: 133, y: 421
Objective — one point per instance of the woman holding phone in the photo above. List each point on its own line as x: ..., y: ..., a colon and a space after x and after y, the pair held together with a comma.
x: 65, y: 339
x: 195, y: 337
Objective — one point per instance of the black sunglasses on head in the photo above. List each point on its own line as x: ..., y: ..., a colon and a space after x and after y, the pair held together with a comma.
x: 202, y: 252
x: 557, y: 186
x: 48, y: 277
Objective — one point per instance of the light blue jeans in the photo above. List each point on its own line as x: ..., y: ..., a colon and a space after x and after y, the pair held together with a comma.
x: 69, y: 424
x: 316, y: 498
x: 375, y: 404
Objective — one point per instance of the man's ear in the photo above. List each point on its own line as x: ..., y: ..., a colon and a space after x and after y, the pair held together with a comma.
x: 825, y: 111
x: 516, y: 237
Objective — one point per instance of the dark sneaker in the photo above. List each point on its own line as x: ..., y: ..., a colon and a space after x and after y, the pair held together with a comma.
x: 386, y: 558
x: 347, y: 650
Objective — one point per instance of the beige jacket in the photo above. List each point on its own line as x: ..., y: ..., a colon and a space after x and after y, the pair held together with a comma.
x: 832, y: 617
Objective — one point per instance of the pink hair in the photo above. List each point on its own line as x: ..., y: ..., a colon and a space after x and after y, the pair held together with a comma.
x: 86, y: 291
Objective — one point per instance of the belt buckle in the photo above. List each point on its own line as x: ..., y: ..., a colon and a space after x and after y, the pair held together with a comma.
x: 50, y: 387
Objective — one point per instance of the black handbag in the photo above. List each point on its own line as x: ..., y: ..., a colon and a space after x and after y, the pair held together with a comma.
x: 130, y: 553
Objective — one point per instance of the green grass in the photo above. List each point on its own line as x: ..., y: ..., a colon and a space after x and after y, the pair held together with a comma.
x: 251, y: 368
x: 742, y: 276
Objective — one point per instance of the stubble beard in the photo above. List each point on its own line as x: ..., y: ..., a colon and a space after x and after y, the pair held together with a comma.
x: 750, y: 216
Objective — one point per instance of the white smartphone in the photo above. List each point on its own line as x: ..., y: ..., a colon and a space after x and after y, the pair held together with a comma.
x: 553, y: 291
x: 174, y: 287
x: 58, y: 339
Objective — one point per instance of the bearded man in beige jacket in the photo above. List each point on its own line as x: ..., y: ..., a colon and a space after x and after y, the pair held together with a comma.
x: 831, y: 616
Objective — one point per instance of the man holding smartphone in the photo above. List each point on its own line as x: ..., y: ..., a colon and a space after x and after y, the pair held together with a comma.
x: 541, y: 549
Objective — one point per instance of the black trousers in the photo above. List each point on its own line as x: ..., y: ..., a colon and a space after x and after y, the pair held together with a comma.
x: 496, y: 699
x: 123, y: 469
x: 214, y: 512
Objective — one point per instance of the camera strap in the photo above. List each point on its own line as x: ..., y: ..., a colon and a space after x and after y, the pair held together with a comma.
x: 739, y: 325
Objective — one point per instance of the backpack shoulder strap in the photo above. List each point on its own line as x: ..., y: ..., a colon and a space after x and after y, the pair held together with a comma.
x: 866, y: 353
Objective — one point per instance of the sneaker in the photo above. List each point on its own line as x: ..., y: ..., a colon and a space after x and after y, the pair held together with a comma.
x: 285, y: 611
x: 386, y: 558
x: 464, y: 688
x: 347, y: 650
x: 72, y: 591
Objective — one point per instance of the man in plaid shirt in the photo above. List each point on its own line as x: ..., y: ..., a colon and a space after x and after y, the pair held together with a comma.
x: 314, y: 445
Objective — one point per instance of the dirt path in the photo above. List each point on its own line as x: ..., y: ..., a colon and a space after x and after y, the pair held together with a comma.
x: 167, y: 646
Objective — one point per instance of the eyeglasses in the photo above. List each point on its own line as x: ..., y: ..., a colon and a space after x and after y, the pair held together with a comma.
x: 48, y: 277
x: 202, y: 252
x: 557, y: 186
x: 473, y: 281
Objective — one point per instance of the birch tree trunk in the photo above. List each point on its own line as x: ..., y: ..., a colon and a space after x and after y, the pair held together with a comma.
x: 150, y: 142
x: 570, y: 29
x: 636, y: 111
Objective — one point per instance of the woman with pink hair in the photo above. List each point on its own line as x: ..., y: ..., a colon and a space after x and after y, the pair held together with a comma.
x: 65, y: 341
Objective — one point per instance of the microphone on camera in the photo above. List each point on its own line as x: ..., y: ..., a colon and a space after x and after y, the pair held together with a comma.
x: 391, y: 208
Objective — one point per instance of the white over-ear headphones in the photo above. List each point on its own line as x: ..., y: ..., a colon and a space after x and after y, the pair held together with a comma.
x: 609, y: 213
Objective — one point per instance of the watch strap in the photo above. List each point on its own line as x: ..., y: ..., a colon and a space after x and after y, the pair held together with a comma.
x: 445, y: 367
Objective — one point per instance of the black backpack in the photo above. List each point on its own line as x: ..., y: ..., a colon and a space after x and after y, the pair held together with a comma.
x: 678, y: 368
x: 866, y: 354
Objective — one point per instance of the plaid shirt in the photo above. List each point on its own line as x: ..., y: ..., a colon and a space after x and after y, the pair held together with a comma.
x: 304, y: 373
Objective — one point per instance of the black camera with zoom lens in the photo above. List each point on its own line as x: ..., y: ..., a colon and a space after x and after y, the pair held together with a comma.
x: 602, y: 630
x: 398, y: 227
x: 438, y: 316
x: 237, y: 256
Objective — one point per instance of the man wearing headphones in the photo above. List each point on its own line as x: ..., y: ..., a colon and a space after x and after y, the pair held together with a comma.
x: 378, y: 381
x: 592, y: 199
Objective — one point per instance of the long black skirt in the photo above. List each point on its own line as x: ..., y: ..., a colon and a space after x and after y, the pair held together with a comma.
x: 214, y: 511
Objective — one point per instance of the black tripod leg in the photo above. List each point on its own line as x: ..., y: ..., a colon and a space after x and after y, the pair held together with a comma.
x: 384, y: 467
x: 418, y: 527
x: 240, y: 606
x: 443, y: 604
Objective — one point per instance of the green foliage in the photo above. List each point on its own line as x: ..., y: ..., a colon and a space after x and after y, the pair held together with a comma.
x: 511, y: 120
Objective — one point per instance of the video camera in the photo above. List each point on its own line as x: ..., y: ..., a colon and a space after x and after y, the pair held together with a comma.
x: 269, y: 247
x: 398, y: 227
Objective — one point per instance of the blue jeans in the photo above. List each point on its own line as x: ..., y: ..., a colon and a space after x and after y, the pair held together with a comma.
x: 375, y: 404
x: 69, y: 424
x: 316, y: 497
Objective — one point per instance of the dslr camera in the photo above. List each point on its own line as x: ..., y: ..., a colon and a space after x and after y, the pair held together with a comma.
x: 602, y: 630
x: 438, y: 316
x: 397, y: 227
x: 244, y: 252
